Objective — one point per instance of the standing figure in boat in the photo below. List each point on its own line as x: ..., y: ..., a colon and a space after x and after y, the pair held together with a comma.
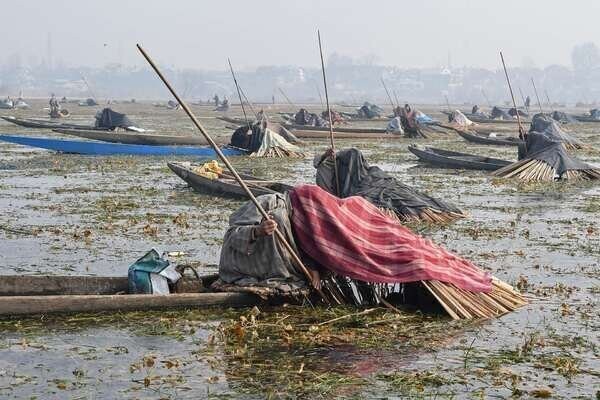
x: 54, y: 107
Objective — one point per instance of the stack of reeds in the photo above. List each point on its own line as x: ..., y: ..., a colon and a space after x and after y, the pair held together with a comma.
x: 428, y: 215
x: 280, y: 153
x: 462, y: 304
x: 532, y: 170
x: 458, y: 303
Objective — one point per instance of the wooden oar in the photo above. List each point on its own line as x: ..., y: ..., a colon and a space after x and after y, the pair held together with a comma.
x: 521, y: 131
x: 225, y: 161
x: 239, y: 94
x: 335, y: 168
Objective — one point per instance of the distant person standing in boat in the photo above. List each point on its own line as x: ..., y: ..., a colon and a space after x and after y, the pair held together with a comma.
x: 475, y: 109
x: 527, y: 102
x: 216, y: 100
x: 54, y: 107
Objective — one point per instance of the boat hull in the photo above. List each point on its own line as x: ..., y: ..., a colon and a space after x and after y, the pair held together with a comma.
x: 229, y: 189
x: 476, y: 138
x: 451, y: 159
x: 30, y: 123
x: 136, y: 138
x: 100, y: 148
x: 26, y: 295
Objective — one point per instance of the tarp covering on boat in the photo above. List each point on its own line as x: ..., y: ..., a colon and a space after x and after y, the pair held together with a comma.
x: 459, y: 118
x: 261, y: 141
x: 498, y: 113
x: 549, y: 127
x: 353, y: 238
x: 369, y: 110
x: 306, y: 118
x: 110, y: 119
x: 563, y: 117
x: 358, y: 178
x: 542, y: 147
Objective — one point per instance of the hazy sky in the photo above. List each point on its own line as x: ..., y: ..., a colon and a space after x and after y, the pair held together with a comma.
x: 202, y: 34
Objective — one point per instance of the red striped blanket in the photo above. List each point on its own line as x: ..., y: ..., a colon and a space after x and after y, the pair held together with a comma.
x: 351, y: 237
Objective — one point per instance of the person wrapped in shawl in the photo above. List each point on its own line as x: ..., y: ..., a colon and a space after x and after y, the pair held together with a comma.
x: 358, y: 178
x: 365, y: 253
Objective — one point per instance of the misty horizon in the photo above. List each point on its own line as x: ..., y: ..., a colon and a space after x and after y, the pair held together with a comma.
x: 428, y: 34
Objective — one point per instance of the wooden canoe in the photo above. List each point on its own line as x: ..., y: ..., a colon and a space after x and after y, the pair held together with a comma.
x: 585, y: 118
x: 41, y: 124
x: 106, y: 149
x: 22, y: 295
x: 486, y: 120
x: 452, y: 159
x: 138, y: 138
x: 232, y: 120
x: 475, y: 137
x: 226, y: 185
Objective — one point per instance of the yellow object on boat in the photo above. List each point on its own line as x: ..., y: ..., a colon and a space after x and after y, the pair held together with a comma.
x: 210, y: 170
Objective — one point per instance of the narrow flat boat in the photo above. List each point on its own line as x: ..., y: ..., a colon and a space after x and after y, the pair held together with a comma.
x: 106, y: 149
x: 47, y: 124
x: 225, y: 184
x: 474, y: 137
x: 452, y: 159
x: 29, y: 295
x: 138, y: 138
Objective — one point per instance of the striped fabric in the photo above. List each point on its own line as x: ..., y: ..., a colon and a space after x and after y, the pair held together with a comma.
x: 351, y: 237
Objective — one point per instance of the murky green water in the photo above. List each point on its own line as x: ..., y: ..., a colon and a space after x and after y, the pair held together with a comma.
x: 69, y: 214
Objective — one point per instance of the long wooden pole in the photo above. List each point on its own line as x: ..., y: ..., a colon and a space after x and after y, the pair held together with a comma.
x: 248, y: 102
x: 319, y: 92
x: 486, y: 98
x: 89, y: 88
x: 388, y: 94
x: 548, y: 98
x: 225, y: 161
x: 396, y: 97
x: 523, y: 98
x: 287, y: 98
x: 335, y: 168
x: 521, y: 132
x: 536, y: 95
x: 237, y: 87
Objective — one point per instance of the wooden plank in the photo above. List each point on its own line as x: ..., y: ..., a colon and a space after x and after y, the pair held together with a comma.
x: 32, y: 285
x: 24, y: 305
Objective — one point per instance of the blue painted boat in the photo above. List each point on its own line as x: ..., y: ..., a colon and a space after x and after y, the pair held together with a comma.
x: 106, y: 149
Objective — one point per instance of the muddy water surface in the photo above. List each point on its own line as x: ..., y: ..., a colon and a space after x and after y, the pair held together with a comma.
x: 69, y: 214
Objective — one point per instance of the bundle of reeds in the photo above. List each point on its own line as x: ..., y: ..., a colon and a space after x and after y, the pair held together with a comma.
x: 279, y: 152
x: 532, y: 170
x: 462, y: 304
x: 428, y: 215
x: 458, y: 303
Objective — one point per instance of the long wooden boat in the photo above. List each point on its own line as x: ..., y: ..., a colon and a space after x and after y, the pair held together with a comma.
x: 28, y: 295
x: 101, y: 148
x: 452, y: 159
x: 232, y: 120
x: 485, y: 120
x: 138, y: 138
x: 43, y: 124
x: 339, y: 129
x: 486, y: 139
x: 226, y: 185
x: 585, y: 118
